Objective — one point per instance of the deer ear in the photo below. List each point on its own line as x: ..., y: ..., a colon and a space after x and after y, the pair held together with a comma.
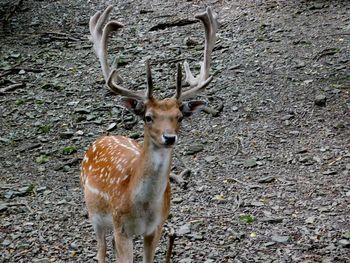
x: 135, y: 106
x: 191, y: 107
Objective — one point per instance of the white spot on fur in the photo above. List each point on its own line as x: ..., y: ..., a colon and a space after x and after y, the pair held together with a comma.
x: 96, y: 191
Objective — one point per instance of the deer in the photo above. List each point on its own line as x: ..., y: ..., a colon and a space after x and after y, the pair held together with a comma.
x: 126, y: 185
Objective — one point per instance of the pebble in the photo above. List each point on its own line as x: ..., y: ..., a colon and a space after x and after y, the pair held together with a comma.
x: 250, y: 163
x: 267, y: 179
x: 320, y: 100
x: 280, y: 239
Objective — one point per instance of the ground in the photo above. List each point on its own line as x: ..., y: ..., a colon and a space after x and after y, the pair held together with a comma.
x: 269, y: 177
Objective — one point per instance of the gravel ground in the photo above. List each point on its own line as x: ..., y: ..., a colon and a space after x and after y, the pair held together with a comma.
x: 269, y: 177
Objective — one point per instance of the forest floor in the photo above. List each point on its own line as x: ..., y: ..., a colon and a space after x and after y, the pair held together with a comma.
x: 269, y: 177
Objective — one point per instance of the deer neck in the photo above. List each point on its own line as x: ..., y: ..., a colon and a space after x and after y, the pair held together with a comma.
x: 153, y: 176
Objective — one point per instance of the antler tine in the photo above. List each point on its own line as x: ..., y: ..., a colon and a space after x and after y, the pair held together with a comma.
x: 198, y: 83
x: 149, y: 90
x: 99, y: 36
x: 178, y: 81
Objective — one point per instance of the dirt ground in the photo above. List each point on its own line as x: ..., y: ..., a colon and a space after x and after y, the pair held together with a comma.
x: 270, y: 172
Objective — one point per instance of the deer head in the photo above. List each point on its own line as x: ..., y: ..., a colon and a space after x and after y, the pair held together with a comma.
x: 162, y: 117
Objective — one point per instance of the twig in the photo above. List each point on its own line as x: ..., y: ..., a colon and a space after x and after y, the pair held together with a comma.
x: 172, y: 237
x: 178, y: 22
x: 22, y: 204
x: 179, y: 178
x: 12, y: 87
x: 60, y: 36
x: 16, y: 70
x: 251, y: 186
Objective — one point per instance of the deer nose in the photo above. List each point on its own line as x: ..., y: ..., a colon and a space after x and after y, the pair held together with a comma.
x: 169, y: 139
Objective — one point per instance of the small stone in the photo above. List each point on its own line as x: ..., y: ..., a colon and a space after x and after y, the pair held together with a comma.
x: 267, y: 179
x: 3, y: 207
x: 6, y: 242
x: 302, y: 150
x: 91, y: 117
x: 74, y: 245
x: 184, y: 229
x: 310, y: 220
x: 188, y: 41
x: 280, y: 239
x: 66, y: 168
x: 287, y: 117
x: 347, y: 166
x: 186, y: 260
x: 272, y: 220
x: 193, y: 149
x: 250, y: 163
x: 329, y: 172
x: 320, y: 100
x: 41, y: 260
x: 111, y: 126
x: 177, y: 200
x: 269, y: 244
x: 79, y: 133
x: 346, y: 235
x: 66, y: 134
x: 82, y: 110
x: 344, y: 243
x: 257, y: 203
x: 210, y: 158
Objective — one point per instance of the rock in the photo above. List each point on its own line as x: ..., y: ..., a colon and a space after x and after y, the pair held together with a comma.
x: 6, y: 242
x: 193, y: 149
x: 186, y: 260
x: 210, y: 158
x: 317, y: 6
x: 344, y: 243
x: 267, y: 179
x: 346, y: 235
x: 287, y: 117
x: 320, y: 100
x: 177, y: 200
x: 250, y: 163
x: 188, y: 41
x: 280, y: 239
x: 112, y: 126
x: 184, y: 229
x: 329, y: 172
x: 310, y: 220
x: 66, y: 134
x: 3, y: 207
x: 272, y: 220
x: 41, y: 260
x: 269, y: 244
x: 82, y: 110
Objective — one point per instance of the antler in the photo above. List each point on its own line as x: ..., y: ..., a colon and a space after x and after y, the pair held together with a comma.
x: 198, y: 83
x: 99, y: 36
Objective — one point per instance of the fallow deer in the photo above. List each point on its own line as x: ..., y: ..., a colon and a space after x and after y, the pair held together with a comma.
x: 126, y: 185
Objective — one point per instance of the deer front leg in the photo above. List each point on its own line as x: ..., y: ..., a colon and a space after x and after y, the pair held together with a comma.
x: 124, y: 247
x: 150, y: 243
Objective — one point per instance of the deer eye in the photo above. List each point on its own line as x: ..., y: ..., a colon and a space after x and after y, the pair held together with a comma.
x: 148, y: 119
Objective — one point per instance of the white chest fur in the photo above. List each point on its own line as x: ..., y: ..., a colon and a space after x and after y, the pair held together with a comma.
x: 149, y: 194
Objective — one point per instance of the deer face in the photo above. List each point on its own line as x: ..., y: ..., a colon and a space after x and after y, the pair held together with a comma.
x: 162, y: 117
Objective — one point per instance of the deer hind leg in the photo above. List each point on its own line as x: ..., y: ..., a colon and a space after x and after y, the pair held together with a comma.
x: 124, y: 247
x: 150, y: 243
x: 100, y: 231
